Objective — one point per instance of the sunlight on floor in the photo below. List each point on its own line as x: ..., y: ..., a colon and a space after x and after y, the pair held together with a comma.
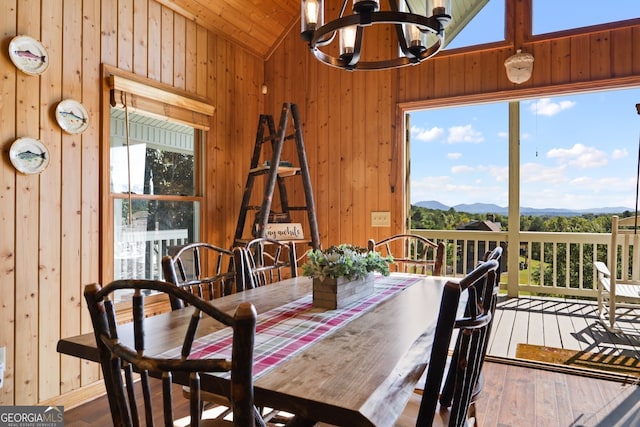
x: 215, y: 412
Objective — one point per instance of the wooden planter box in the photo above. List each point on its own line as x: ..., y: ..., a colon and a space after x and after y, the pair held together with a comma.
x: 338, y: 293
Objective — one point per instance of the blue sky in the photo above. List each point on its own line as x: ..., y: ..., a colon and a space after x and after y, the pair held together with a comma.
x: 577, y: 151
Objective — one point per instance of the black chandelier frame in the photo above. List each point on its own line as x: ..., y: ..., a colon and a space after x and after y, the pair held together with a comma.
x: 411, y: 55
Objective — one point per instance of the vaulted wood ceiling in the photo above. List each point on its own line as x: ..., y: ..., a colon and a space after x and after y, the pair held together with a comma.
x: 260, y: 25
x: 257, y: 25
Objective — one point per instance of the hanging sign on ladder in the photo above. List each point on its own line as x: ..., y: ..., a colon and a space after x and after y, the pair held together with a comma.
x: 284, y: 231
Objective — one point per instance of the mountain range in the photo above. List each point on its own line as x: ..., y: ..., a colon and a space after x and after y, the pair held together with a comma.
x: 478, y: 208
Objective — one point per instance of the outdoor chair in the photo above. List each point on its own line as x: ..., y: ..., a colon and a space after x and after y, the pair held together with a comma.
x: 411, y: 253
x: 119, y: 360
x: 453, y: 383
x: 619, y: 279
x: 200, y: 268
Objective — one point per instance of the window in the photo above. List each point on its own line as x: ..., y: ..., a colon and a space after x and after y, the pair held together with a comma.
x: 481, y: 22
x: 578, y: 154
x: 553, y: 15
x: 155, y: 191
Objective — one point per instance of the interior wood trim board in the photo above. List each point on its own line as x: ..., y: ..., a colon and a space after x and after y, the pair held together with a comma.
x: 156, y: 98
x: 140, y: 89
x: 78, y: 396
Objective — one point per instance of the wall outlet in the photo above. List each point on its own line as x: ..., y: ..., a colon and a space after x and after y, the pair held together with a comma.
x: 381, y: 219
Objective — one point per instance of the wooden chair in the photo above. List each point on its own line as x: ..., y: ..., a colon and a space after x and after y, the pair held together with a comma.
x: 117, y: 359
x: 621, y: 289
x: 449, y: 402
x: 263, y: 261
x: 411, y: 253
x: 483, y: 294
x: 185, y: 267
x: 260, y: 262
x: 200, y: 268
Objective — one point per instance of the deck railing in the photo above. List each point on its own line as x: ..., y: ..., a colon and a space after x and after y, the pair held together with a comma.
x: 138, y: 254
x: 559, y: 264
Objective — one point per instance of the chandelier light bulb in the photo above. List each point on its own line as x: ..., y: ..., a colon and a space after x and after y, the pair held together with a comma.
x: 312, y: 12
x: 312, y: 17
x: 348, y: 40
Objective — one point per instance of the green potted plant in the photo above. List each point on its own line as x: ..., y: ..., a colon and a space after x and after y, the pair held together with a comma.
x: 343, y: 274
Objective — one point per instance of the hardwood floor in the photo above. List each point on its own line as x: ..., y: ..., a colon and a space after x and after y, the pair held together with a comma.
x: 520, y: 396
x: 512, y: 396
x: 97, y: 413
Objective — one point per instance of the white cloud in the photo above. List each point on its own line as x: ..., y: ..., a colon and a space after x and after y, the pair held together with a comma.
x: 503, y: 134
x: 464, y: 134
x: 579, y: 156
x: 454, y: 156
x: 500, y: 173
x: 619, y: 153
x: 535, y: 172
x: 427, y: 135
x: 545, y: 107
x: 462, y: 169
x: 580, y: 193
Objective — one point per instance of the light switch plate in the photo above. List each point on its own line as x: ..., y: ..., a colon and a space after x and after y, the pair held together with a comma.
x: 381, y: 219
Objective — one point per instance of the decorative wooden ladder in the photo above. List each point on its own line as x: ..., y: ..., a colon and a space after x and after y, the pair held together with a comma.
x: 275, y: 175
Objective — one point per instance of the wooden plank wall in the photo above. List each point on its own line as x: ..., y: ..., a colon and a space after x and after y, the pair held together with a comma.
x: 49, y: 223
x: 352, y: 120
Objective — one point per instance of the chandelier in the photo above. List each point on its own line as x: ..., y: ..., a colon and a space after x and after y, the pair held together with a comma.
x: 420, y: 33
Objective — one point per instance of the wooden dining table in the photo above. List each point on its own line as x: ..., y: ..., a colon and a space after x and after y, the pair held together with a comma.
x: 360, y: 374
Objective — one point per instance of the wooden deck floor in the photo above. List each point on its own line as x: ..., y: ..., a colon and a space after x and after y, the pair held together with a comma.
x: 565, y: 332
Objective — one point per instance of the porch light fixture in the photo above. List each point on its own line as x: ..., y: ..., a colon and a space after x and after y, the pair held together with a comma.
x: 519, y: 67
x: 412, y: 28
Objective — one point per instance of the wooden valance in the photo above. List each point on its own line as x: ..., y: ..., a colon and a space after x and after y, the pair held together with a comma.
x: 152, y: 99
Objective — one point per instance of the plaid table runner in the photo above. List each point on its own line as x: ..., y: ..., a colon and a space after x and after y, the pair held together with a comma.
x: 287, y: 330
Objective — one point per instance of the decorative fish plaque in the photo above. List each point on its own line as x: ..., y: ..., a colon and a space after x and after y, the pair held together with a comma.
x: 29, y: 55
x: 29, y: 155
x: 72, y: 116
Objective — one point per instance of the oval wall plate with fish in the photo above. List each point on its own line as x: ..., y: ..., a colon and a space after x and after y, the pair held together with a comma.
x: 29, y: 155
x: 72, y: 116
x: 29, y: 55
